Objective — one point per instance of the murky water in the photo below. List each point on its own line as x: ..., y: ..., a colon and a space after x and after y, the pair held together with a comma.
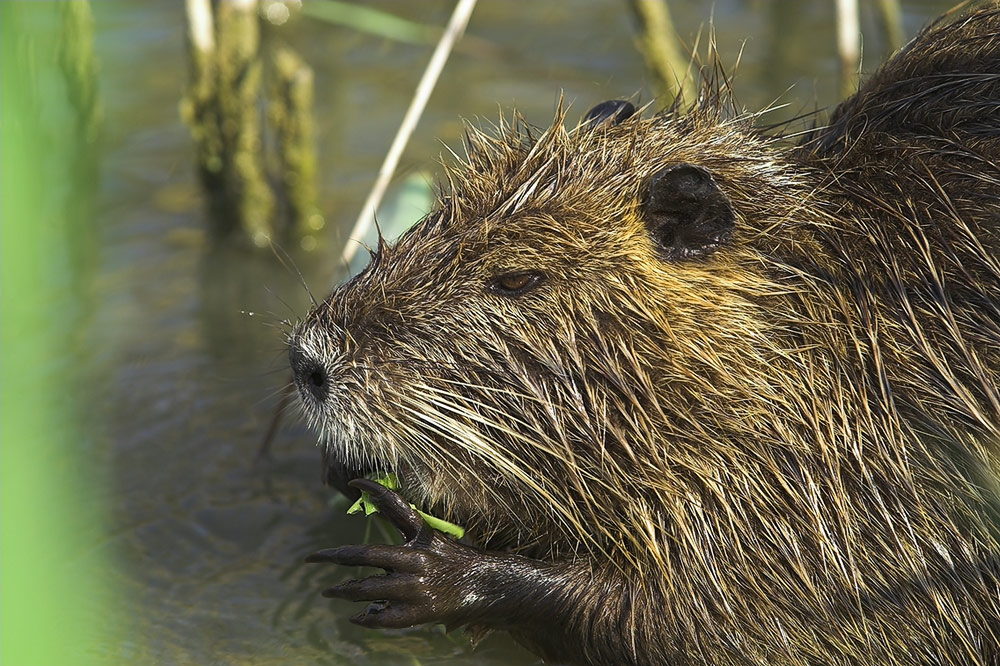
x: 209, y: 538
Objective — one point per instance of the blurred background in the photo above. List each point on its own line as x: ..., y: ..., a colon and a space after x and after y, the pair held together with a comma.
x: 163, y: 185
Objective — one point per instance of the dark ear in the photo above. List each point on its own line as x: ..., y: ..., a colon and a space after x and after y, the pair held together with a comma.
x: 686, y: 213
x: 607, y: 113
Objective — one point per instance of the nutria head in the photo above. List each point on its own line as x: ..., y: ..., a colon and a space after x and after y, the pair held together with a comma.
x: 559, y: 335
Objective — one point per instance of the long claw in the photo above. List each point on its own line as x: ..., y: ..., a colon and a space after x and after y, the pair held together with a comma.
x: 390, y: 587
x: 391, y: 558
x: 392, y: 505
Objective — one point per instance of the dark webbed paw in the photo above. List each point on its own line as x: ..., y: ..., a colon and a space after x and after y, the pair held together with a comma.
x: 430, y: 578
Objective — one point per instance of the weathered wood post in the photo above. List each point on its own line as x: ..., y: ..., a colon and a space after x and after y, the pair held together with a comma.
x: 290, y: 114
x: 225, y: 109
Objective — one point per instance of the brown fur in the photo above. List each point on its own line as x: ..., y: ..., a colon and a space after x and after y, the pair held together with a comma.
x: 785, y: 453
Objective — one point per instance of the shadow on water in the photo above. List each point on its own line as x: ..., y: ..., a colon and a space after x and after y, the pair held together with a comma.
x: 213, y: 539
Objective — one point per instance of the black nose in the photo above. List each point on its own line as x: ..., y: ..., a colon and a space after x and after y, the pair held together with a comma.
x: 310, y: 375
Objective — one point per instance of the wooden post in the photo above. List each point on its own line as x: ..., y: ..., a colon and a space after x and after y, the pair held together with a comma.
x: 290, y: 113
x: 238, y: 94
x: 198, y: 106
x: 221, y: 108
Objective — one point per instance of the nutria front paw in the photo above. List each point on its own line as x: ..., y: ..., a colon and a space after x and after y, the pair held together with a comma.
x: 430, y: 578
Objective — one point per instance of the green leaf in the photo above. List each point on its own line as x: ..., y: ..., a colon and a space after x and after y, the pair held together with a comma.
x: 442, y: 525
x: 392, y: 483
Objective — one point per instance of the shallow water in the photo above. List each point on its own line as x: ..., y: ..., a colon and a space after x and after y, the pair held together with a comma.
x: 210, y: 539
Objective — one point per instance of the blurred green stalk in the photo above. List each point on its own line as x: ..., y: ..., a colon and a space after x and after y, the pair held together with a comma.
x: 663, y: 52
x: 55, y: 598
x: 891, y: 14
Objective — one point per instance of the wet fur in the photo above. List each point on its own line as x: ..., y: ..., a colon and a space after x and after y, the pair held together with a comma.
x: 785, y: 453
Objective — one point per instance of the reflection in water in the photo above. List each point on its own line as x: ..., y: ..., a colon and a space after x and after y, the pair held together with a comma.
x: 213, y: 539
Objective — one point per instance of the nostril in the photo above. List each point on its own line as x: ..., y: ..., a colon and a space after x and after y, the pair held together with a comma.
x: 317, y: 379
x: 310, y: 375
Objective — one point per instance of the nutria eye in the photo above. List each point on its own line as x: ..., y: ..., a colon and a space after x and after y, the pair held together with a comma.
x: 513, y: 284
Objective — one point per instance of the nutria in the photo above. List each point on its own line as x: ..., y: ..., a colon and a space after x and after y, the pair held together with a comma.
x: 699, y: 395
